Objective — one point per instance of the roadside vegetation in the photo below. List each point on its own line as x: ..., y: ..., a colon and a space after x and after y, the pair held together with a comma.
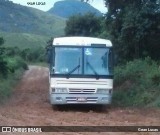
x: 11, y: 69
x: 137, y: 83
x: 13, y: 62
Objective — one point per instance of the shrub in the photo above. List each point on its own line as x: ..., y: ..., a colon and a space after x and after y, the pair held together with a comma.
x: 137, y: 83
x: 16, y: 63
x: 15, y: 67
x: 7, y: 84
x: 3, y: 67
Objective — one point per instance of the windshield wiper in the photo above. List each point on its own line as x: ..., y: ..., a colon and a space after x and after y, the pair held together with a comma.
x: 77, y: 67
x: 91, y: 67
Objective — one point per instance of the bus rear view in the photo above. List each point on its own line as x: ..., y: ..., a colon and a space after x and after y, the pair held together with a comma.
x: 81, y: 71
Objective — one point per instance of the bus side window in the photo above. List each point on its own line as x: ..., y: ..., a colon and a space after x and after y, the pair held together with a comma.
x: 50, y: 57
x: 110, y: 61
x: 104, y: 60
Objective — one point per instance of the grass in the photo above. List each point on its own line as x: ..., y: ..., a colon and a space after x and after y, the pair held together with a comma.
x: 15, y: 68
x: 24, y: 40
x: 42, y: 64
x: 137, y: 84
x: 7, y: 84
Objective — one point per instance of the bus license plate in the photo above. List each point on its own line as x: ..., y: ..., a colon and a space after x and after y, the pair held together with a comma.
x: 81, y: 99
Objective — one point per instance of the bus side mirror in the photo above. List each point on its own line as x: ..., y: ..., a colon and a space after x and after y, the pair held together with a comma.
x: 48, y: 56
x: 53, y: 69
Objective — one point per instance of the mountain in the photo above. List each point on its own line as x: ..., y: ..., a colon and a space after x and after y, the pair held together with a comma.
x: 68, y: 8
x: 15, y: 18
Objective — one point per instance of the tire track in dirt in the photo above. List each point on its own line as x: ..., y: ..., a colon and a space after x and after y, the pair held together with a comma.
x: 29, y: 106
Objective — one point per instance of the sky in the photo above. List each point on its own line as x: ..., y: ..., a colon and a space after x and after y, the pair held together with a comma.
x: 98, y: 4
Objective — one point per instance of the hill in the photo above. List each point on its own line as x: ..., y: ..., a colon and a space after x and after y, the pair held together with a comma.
x: 21, y: 19
x: 69, y: 8
x: 24, y: 40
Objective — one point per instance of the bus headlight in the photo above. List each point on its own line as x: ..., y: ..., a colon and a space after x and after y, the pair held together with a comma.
x: 59, y: 90
x: 104, y: 91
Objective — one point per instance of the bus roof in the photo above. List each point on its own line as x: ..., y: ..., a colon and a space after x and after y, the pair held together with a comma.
x: 81, y: 41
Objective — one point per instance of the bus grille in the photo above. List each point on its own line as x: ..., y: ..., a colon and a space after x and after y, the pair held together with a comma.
x: 81, y: 91
x: 89, y: 100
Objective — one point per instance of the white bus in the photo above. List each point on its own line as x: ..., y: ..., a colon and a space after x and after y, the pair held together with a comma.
x: 81, y: 71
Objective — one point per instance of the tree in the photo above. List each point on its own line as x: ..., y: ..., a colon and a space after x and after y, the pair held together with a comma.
x: 1, y: 48
x: 134, y: 28
x: 83, y: 25
x: 3, y: 63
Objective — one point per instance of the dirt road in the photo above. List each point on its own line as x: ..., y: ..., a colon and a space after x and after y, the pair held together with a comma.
x: 29, y: 106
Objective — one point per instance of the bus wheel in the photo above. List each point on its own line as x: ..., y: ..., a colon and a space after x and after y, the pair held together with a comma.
x: 55, y: 107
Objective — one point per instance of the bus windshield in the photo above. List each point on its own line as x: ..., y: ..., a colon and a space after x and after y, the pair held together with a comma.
x: 82, y: 61
x: 67, y: 59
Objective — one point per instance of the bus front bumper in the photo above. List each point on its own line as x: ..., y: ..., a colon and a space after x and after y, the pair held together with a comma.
x: 61, y: 99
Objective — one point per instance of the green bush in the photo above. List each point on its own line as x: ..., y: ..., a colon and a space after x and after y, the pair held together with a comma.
x: 137, y: 84
x: 15, y: 67
x: 7, y: 84
x: 15, y: 63
x: 3, y: 67
x: 11, y: 67
x: 33, y: 55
